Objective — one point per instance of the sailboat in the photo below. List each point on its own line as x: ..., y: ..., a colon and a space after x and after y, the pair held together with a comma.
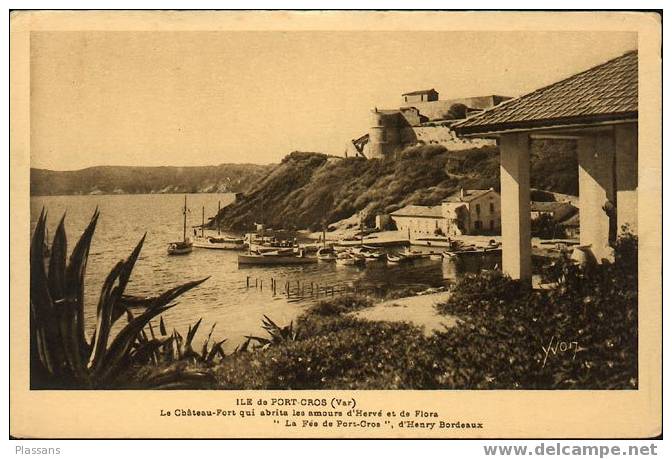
x: 219, y: 242
x: 184, y: 246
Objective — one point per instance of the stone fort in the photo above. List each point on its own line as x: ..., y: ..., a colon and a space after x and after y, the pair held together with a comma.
x: 422, y: 118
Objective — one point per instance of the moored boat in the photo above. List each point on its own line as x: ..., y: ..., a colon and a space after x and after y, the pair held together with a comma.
x: 395, y: 258
x: 278, y: 257
x: 370, y: 257
x: 326, y: 254
x: 180, y: 247
x: 185, y: 246
x: 348, y: 259
x: 414, y: 254
x: 219, y: 243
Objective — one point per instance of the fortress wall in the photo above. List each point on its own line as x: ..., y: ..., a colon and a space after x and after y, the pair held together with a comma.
x: 436, y: 110
x: 441, y: 135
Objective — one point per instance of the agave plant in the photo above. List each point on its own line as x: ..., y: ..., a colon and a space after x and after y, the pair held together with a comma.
x: 174, y: 347
x: 276, y: 334
x: 62, y: 356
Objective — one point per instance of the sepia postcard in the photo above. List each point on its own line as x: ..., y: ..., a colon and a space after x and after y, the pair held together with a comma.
x: 335, y: 224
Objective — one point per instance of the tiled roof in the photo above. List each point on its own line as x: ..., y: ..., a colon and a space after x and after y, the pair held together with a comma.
x: 605, y: 92
x: 419, y: 211
x: 415, y: 93
x: 468, y: 196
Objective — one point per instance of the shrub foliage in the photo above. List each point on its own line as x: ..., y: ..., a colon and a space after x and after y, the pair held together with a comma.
x: 61, y: 354
x: 307, y: 190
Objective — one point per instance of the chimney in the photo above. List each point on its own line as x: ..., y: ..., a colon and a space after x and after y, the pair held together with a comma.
x: 461, y: 193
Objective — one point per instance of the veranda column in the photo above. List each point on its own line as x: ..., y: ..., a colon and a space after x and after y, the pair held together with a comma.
x: 625, y: 145
x: 597, y: 201
x: 515, y: 184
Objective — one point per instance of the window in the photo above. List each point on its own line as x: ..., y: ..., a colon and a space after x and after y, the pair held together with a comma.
x: 477, y: 224
x: 492, y: 207
x: 478, y: 209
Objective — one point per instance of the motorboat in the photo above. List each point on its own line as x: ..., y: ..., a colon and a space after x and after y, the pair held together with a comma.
x: 219, y: 243
x: 277, y: 257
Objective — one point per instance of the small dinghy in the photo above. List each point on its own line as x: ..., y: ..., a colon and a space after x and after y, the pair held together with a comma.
x: 396, y: 258
x: 326, y: 254
x: 370, y: 257
x: 348, y: 259
x: 180, y: 247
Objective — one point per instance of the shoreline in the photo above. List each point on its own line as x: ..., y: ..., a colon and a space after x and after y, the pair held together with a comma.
x: 416, y: 309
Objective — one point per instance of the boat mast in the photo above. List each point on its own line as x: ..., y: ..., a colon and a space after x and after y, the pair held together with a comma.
x: 219, y: 209
x: 203, y: 222
x: 184, y: 212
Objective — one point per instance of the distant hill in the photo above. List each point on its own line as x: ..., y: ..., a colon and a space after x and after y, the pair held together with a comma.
x: 136, y: 180
x: 307, y: 190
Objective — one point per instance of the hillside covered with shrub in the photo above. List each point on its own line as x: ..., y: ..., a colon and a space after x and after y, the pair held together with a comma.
x: 139, y: 180
x: 307, y: 190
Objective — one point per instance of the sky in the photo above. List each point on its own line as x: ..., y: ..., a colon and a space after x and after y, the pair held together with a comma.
x: 204, y: 98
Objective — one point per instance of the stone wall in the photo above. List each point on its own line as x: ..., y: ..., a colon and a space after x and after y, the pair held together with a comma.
x: 442, y: 135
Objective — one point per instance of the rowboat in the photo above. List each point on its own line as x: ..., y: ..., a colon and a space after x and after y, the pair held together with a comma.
x: 185, y: 246
x: 348, y: 259
x: 180, y: 247
x: 435, y: 256
x: 326, y: 254
x: 397, y: 258
x: 370, y: 257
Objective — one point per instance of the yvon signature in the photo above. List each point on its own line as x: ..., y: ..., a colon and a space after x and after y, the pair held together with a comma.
x: 560, y: 347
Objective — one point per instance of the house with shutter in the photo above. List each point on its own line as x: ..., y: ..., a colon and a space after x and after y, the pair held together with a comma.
x: 598, y: 110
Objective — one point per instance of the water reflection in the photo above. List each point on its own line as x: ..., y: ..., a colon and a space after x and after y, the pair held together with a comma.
x: 224, y: 298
